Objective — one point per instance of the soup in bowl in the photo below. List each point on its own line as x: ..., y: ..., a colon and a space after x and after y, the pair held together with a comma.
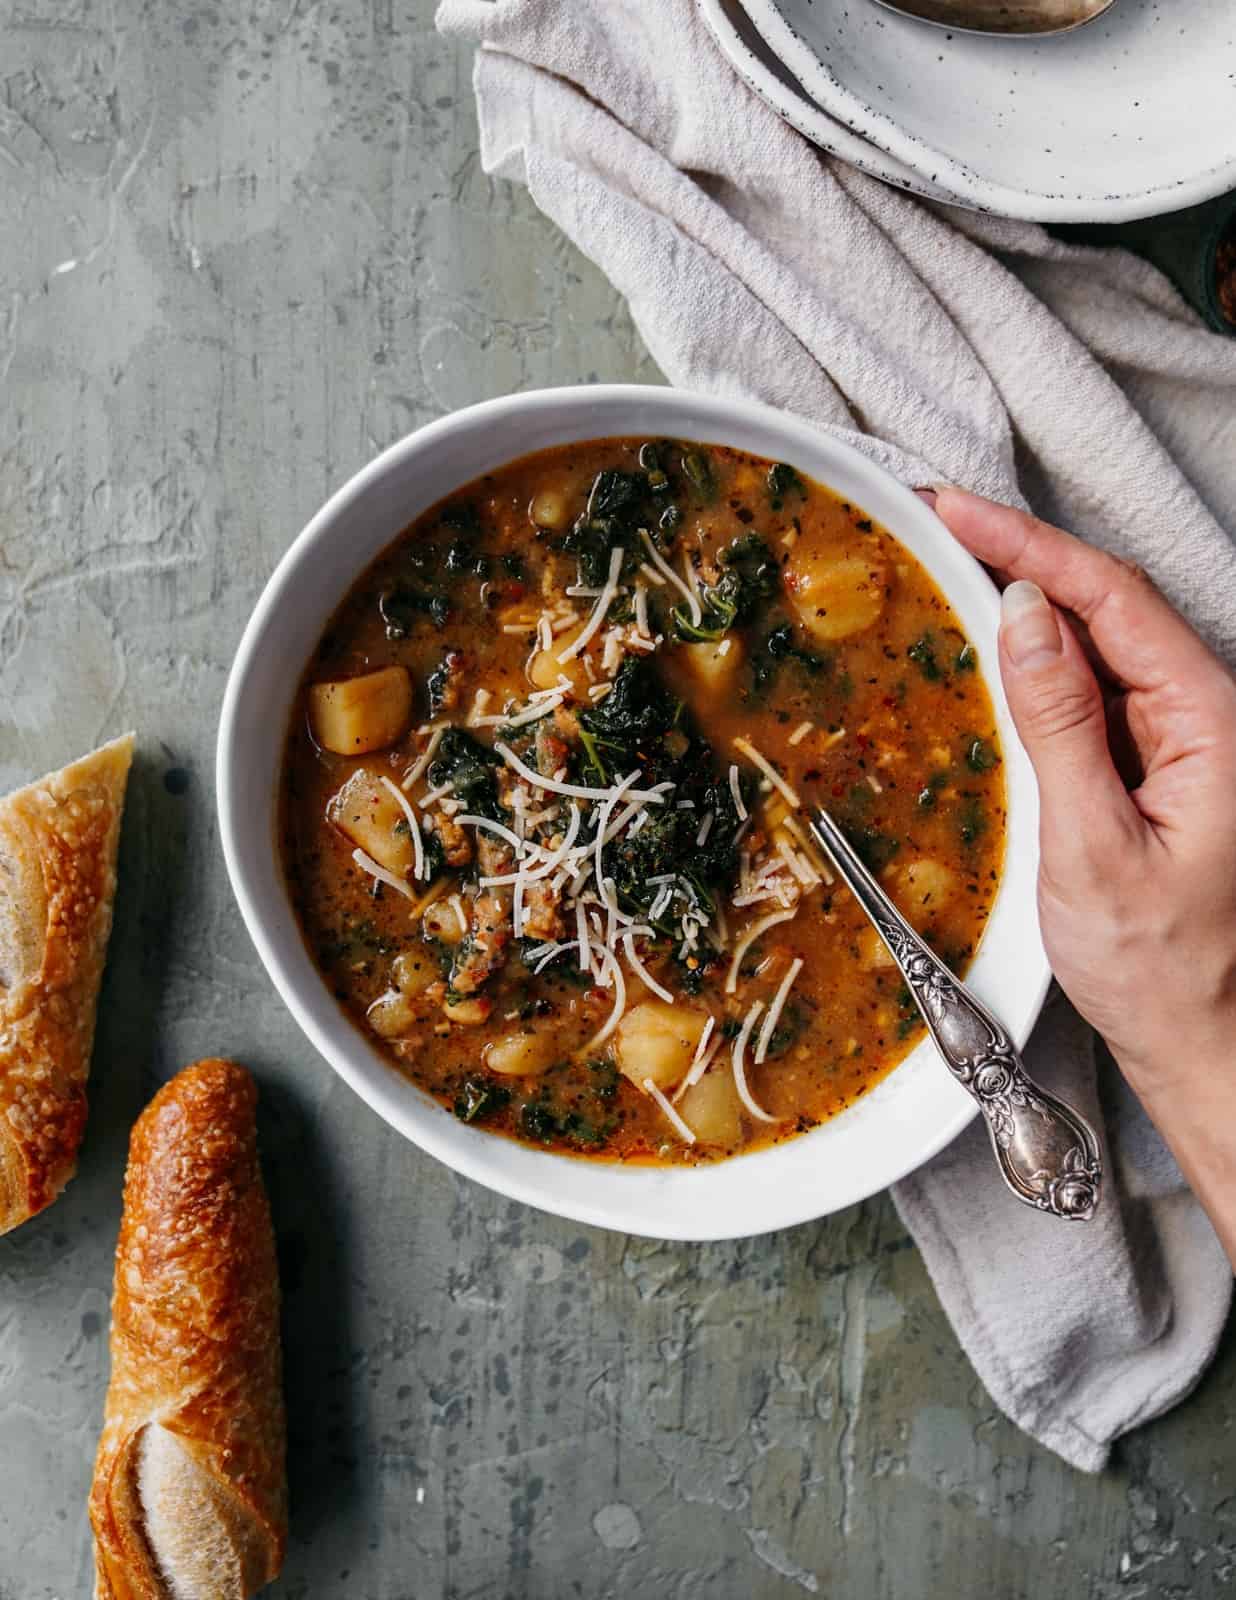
x: 531, y: 861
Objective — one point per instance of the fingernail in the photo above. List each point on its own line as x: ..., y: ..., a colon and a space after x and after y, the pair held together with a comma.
x: 1028, y: 626
x: 926, y: 494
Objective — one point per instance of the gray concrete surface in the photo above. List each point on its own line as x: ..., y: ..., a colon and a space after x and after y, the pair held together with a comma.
x: 243, y: 247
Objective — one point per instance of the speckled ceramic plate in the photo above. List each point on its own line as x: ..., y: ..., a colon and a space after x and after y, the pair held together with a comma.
x: 773, y: 81
x: 1129, y: 117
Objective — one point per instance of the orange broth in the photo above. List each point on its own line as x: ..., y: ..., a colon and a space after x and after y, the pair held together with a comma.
x: 821, y: 644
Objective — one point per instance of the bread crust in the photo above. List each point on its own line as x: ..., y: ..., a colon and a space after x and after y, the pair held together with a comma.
x: 58, y: 843
x: 195, y: 1340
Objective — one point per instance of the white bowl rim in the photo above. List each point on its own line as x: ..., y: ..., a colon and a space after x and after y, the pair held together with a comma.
x: 634, y: 1199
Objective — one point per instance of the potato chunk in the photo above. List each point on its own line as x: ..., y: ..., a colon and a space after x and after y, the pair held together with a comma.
x: 714, y: 665
x: 520, y: 1055
x: 873, y: 954
x: 549, y: 508
x: 392, y: 1015
x: 657, y: 1040
x: 353, y: 716
x: 921, y: 888
x: 544, y: 668
x: 836, y: 597
x: 711, y: 1108
x: 441, y: 921
x: 372, y: 818
x: 415, y: 971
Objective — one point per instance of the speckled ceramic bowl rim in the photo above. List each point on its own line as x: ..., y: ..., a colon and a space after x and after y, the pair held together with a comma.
x: 793, y: 105
x: 901, y: 1123
x: 970, y: 188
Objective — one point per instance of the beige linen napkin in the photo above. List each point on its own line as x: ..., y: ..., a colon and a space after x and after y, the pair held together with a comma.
x: 944, y: 345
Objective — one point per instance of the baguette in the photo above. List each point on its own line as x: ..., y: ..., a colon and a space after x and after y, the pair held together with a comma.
x: 189, y: 1499
x: 58, y: 840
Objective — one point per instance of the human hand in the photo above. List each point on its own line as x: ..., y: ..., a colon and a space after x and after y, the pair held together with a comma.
x: 1130, y: 723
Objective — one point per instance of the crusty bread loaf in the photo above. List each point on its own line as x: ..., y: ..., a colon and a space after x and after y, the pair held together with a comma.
x: 189, y: 1498
x: 58, y: 840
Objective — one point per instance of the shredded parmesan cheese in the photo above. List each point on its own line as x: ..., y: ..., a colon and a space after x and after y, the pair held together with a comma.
x: 641, y: 971
x: 610, y: 962
x: 576, y: 791
x: 664, y: 568
x: 675, y: 1121
x: 736, y: 791
x: 418, y: 849
x: 749, y: 938
x: 736, y: 1059
x: 375, y: 870
x: 774, y: 1010
x: 744, y: 747
x: 421, y: 764
x: 641, y: 610
x: 800, y: 732
x: 605, y: 599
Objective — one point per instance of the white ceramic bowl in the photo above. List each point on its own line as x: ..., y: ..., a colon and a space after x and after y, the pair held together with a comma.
x: 912, y: 1114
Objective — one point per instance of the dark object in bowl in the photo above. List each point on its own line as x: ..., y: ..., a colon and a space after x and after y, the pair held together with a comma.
x: 1195, y: 248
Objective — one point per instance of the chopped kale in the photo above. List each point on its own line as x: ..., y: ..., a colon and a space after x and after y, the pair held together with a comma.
x: 980, y: 753
x: 470, y: 767
x: 790, y: 1024
x: 640, y: 724
x: 750, y: 578
x: 461, y: 516
x: 462, y: 557
x: 779, y: 647
x: 561, y: 1109
x: 923, y: 653
x: 698, y: 473
x: 479, y: 1098
x: 874, y: 848
x: 929, y: 793
x: 971, y: 820
x: 401, y: 606
x: 438, y: 682
x: 611, y: 519
x: 654, y: 472
x: 783, y: 480
x: 628, y: 726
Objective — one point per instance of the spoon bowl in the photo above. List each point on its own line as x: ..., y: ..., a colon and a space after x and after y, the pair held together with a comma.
x: 1025, y: 18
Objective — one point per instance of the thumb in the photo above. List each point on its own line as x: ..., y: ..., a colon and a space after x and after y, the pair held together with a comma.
x: 1058, y: 709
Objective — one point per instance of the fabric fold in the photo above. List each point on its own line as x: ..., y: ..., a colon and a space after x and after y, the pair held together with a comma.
x: 945, y: 345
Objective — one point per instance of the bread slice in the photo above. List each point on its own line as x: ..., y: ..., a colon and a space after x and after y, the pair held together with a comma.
x: 58, y: 840
x: 189, y: 1500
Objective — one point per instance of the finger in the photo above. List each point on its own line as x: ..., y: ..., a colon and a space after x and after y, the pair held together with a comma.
x: 1058, y: 708
x: 1142, y: 640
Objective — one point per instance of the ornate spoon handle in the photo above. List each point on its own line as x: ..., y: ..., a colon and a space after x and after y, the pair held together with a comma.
x: 1047, y: 1153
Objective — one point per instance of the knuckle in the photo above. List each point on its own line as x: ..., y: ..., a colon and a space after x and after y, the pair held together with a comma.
x: 1052, y: 709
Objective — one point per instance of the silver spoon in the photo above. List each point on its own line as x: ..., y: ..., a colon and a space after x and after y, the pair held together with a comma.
x: 1026, y: 17
x: 1047, y: 1152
